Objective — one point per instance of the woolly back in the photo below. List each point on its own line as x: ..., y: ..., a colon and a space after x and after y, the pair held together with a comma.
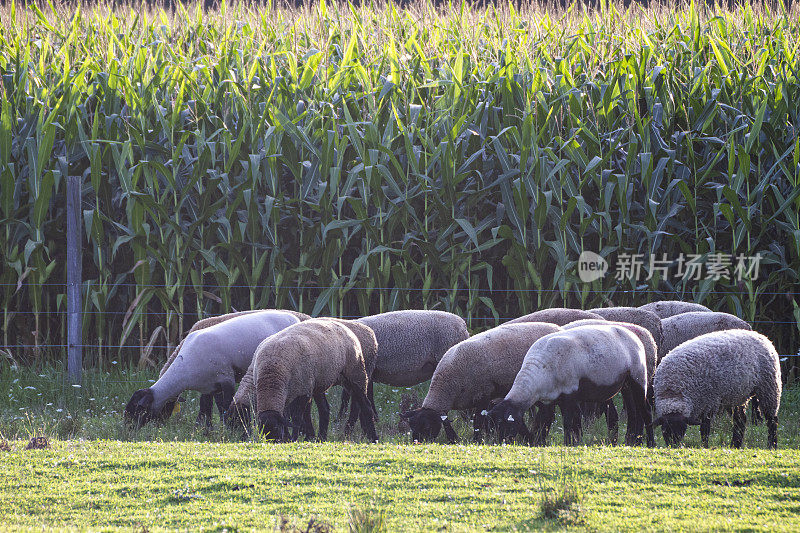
x: 367, y: 340
x: 214, y: 320
x: 407, y: 339
x: 680, y: 328
x: 640, y: 317
x: 667, y: 308
x: 556, y: 315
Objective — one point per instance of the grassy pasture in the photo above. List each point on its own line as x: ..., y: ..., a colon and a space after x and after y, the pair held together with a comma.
x: 98, y: 474
x: 213, y: 486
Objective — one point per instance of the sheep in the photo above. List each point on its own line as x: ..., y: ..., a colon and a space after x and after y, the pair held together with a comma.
x: 680, y: 328
x: 556, y: 315
x: 718, y: 369
x: 303, y: 360
x: 609, y: 409
x: 641, y: 317
x: 410, y: 345
x: 471, y: 374
x: 589, y: 363
x: 207, y: 400
x: 238, y: 414
x: 667, y: 308
x: 208, y: 360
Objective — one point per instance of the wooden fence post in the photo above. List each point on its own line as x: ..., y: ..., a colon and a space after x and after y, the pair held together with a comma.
x: 74, y: 281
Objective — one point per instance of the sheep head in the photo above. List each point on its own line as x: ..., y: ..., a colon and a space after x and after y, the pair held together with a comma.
x: 140, y: 411
x: 673, y: 427
x: 425, y: 423
x: 507, y: 419
x: 273, y: 425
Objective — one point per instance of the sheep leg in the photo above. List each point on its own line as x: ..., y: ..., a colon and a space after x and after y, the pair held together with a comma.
x: 612, y: 422
x: 705, y: 429
x: 772, y: 428
x: 645, y: 416
x: 367, y: 422
x: 343, y: 404
x: 324, y: 412
x: 755, y: 412
x: 634, y: 431
x: 739, y: 421
x: 355, y: 412
x: 542, y: 423
x: 206, y: 408
x: 571, y: 414
x: 371, y: 397
x: 223, y: 398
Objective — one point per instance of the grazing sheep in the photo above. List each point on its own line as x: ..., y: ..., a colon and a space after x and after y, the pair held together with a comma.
x: 304, y: 360
x: 410, y: 345
x: 633, y: 315
x: 207, y: 400
x: 589, y: 363
x: 667, y: 308
x: 238, y: 414
x: 718, y: 369
x: 556, y: 315
x: 609, y: 409
x: 471, y: 374
x: 208, y: 360
x: 680, y: 328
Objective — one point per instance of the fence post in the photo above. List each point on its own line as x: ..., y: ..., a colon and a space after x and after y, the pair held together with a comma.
x: 74, y: 282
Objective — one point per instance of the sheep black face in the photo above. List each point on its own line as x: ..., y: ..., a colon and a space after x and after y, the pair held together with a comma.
x: 273, y: 425
x: 139, y: 409
x: 425, y: 423
x: 506, y: 419
x: 673, y: 427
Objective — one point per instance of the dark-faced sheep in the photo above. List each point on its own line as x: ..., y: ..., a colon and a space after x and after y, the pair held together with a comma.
x: 556, y: 315
x: 208, y: 360
x: 238, y: 414
x: 302, y: 360
x: 667, y: 308
x: 471, y: 374
x: 589, y: 363
x: 715, y: 370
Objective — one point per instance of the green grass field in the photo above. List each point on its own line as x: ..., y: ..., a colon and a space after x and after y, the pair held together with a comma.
x: 213, y: 486
x: 98, y: 474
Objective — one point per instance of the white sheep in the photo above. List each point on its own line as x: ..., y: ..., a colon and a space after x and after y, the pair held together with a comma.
x: 667, y: 308
x: 304, y: 359
x: 208, y: 360
x: 589, y: 363
x: 718, y: 369
x: 471, y: 374
x: 556, y: 315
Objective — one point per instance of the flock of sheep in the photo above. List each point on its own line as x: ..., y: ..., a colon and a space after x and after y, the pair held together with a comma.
x: 682, y: 359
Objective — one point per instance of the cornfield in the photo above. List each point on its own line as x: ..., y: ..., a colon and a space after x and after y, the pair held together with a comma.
x: 346, y: 161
